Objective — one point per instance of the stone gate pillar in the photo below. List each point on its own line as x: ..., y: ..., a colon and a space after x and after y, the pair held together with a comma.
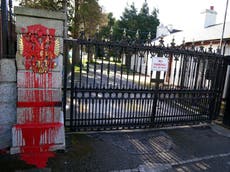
x: 39, y: 127
x: 7, y: 101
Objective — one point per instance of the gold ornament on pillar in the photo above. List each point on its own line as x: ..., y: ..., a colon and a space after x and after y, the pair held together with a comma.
x: 39, y: 46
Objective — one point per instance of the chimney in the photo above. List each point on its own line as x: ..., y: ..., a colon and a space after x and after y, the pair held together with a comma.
x: 209, y: 17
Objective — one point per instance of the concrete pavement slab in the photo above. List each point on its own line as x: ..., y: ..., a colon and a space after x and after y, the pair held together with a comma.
x: 181, y: 149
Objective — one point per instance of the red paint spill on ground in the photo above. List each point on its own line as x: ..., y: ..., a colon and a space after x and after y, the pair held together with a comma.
x: 38, y: 137
x: 39, y: 159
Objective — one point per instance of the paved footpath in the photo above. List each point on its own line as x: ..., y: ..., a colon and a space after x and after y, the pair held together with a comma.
x: 203, y: 148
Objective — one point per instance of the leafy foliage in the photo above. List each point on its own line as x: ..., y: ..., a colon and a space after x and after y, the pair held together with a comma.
x: 43, y: 4
x: 106, y: 31
x: 87, y: 12
x: 132, y: 20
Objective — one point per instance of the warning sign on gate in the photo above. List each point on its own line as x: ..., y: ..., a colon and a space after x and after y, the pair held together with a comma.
x: 159, y: 64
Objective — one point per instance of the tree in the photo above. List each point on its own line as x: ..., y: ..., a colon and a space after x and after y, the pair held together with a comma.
x: 132, y: 20
x: 106, y: 29
x: 43, y: 4
x: 129, y: 20
x: 148, y: 22
x: 87, y: 12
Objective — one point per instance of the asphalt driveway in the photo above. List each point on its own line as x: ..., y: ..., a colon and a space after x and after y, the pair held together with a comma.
x: 200, y: 148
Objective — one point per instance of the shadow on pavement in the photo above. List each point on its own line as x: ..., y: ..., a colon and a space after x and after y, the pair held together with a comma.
x: 184, y: 149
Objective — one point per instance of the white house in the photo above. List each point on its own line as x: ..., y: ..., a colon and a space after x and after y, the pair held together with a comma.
x: 210, y: 33
x: 207, y: 36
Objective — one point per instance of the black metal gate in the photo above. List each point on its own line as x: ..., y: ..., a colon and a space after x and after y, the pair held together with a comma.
x: 7, y: 30
x: 112, y: 85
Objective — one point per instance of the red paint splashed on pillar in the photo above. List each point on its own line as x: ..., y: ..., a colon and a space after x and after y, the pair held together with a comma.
x: 38, y: 137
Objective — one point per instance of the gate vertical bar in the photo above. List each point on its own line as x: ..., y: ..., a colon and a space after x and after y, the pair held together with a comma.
x: 219, y: 84
x: 65, y: 79
x: 154, y: 109
x: 74, y: 60
x: 157, y: 84
x: 226, y: 119
x: 4, y: 14
x: 11, y: 41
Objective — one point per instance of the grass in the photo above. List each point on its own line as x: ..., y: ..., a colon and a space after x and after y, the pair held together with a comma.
x: 77, y: 69
x: 94, y: 61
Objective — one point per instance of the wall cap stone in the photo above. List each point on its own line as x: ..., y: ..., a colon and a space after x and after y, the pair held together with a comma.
x: 39, y: 13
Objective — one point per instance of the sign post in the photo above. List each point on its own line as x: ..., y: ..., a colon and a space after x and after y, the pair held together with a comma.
x: 159, y: 64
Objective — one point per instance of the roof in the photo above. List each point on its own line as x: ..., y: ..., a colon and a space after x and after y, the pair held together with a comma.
x: 210, y: 33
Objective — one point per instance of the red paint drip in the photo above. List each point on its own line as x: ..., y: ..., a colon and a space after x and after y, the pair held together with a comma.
x: 38, y: 139
x: 37, y: 136
x: 43, y: 95
x: 38, y: 104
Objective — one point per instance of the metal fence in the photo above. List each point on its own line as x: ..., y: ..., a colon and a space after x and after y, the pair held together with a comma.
x: 114, y: 85
x: 7, y: 30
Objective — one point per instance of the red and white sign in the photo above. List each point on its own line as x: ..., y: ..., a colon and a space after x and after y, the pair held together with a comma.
x: 159, y: 64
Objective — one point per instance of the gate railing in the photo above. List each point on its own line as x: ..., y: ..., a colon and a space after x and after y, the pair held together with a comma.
x: 111, y: 84
x: 226, y: 118
x: 7, y: 30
